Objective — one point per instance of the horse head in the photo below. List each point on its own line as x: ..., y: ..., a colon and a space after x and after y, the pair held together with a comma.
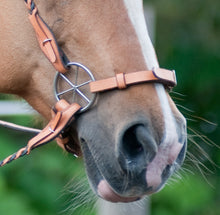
x: 132, y: 140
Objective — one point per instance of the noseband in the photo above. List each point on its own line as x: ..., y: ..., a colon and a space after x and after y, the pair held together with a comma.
x: 78, y: 81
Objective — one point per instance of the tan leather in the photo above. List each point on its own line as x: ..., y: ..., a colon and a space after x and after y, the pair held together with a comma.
x: 46, y: 40
x: 58, y: 123
x: 65, y: 141
x: 122, y: 80
x: 166, y: 76
x: 55, y: 126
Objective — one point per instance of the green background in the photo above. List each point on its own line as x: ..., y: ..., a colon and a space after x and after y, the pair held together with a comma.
x: 50, y: 181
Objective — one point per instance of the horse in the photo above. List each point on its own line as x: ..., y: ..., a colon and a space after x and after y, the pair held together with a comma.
x: 132, y: 140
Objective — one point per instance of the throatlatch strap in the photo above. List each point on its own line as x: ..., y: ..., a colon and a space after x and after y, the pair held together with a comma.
x: 61, y: 120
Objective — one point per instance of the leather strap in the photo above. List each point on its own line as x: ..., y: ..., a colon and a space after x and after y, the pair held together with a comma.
x: 46, y: 39
x: 121, y: 81
x: 62, y: 118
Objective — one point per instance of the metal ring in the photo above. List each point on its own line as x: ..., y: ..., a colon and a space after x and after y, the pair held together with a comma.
x: 74, y: 87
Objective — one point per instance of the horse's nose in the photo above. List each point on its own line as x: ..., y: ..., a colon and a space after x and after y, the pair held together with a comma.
x: 136, y: 149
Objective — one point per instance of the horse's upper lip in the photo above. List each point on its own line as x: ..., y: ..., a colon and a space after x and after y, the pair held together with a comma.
x: 107, y: 193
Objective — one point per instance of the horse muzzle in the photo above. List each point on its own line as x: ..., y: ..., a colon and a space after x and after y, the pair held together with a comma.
x: 138, y: 166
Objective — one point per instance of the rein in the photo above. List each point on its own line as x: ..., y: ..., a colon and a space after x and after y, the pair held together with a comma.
x: 63, y: 113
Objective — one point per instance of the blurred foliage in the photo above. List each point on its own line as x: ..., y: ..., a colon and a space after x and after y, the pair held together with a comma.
x: 188, y: 40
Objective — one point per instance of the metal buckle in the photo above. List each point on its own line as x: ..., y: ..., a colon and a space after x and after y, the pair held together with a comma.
x: 73, y: 86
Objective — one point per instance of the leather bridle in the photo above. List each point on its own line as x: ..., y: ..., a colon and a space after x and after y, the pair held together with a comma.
x: 63, y: 113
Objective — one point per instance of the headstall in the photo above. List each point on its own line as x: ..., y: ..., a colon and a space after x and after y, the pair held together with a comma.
x: 82, y: 91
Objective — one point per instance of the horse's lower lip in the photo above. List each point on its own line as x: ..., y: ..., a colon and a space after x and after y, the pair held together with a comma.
x: 106, y: 192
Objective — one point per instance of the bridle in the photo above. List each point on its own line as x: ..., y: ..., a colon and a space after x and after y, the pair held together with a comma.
x: 84, y: 93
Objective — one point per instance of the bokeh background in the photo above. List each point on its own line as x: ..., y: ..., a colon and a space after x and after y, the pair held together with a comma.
x: 187, y: 39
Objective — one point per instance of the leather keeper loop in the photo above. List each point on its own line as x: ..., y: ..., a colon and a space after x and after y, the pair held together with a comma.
x: 120, y: 78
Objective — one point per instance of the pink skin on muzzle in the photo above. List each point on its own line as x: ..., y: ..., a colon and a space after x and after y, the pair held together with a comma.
x: 106, y: 192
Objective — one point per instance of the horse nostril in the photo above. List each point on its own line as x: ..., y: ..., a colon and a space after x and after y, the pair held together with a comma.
x: 132, y: 147
x: 137, y: 148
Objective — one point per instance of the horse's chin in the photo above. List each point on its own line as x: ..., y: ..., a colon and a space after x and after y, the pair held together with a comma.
x: 107, y: 193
